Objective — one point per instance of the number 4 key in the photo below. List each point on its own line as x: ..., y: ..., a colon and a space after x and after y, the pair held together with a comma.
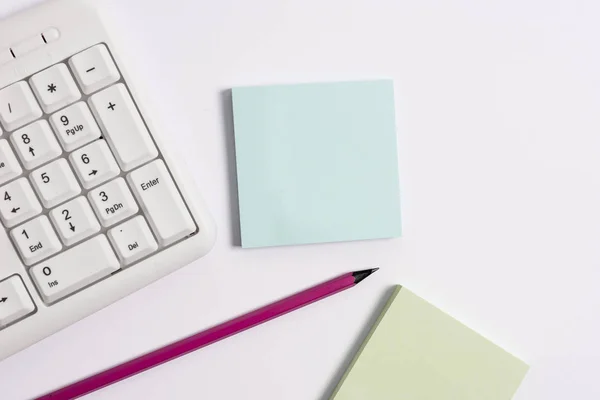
x: 18, y: 202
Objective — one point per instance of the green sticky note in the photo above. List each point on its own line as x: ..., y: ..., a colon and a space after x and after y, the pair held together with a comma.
x: 417, y: 352
x: 316, y: 163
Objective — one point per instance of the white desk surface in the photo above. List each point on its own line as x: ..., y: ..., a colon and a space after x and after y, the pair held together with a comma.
x: 498, y: 109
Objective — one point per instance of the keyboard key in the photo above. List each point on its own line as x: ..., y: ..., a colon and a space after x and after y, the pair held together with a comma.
x: 36, y: 240
x: 75, y: 126
x: 159, y: 198
x: 75, y: 269
x: 133, y: 240
x: 55, y: 183
x: 75, y: 221
x: 9, y: 166
x: 113, y: 202
x: 94, y: 164
x: 94, y: 69
x: 18, y: 203
x: 55, y: 88
x: 35, y: 144
x: 123, y: 126
x: 18, y: 106
x: 15, y: 302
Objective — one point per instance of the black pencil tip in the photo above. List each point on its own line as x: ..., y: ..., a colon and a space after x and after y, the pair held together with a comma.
x: 360, y: 275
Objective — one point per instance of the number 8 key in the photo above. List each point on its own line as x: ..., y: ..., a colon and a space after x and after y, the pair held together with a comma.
x: 35, y: 144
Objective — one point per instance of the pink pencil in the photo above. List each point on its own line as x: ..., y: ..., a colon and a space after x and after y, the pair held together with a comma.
x: 209, y: 336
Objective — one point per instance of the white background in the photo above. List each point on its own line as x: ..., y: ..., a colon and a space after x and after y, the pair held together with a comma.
x: 498, y: 110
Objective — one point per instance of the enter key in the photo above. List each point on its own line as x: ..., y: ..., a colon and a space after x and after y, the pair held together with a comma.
x: 166, y: 212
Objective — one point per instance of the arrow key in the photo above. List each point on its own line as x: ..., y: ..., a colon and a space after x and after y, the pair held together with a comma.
x: 94, y: 164
x: 15, y: 302
x: 36, y: 144
x: 74, y: 221
x: 18, y: 202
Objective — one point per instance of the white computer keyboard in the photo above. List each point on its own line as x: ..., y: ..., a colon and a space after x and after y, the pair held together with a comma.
x: 91, y: 208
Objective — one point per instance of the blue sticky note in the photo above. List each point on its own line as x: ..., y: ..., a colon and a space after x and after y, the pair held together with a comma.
x: 316, y: 163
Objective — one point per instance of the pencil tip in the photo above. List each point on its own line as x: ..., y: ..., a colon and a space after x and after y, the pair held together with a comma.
x: 360, y: 275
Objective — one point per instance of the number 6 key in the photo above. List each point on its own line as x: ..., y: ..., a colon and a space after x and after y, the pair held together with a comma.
x: 94, y: 164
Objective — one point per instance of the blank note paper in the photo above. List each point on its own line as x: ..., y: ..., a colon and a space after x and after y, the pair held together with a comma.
x: 316, y: 163
x: 417, y: 352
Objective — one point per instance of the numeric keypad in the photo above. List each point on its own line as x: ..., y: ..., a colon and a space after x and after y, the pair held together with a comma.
x: 65, y: 201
